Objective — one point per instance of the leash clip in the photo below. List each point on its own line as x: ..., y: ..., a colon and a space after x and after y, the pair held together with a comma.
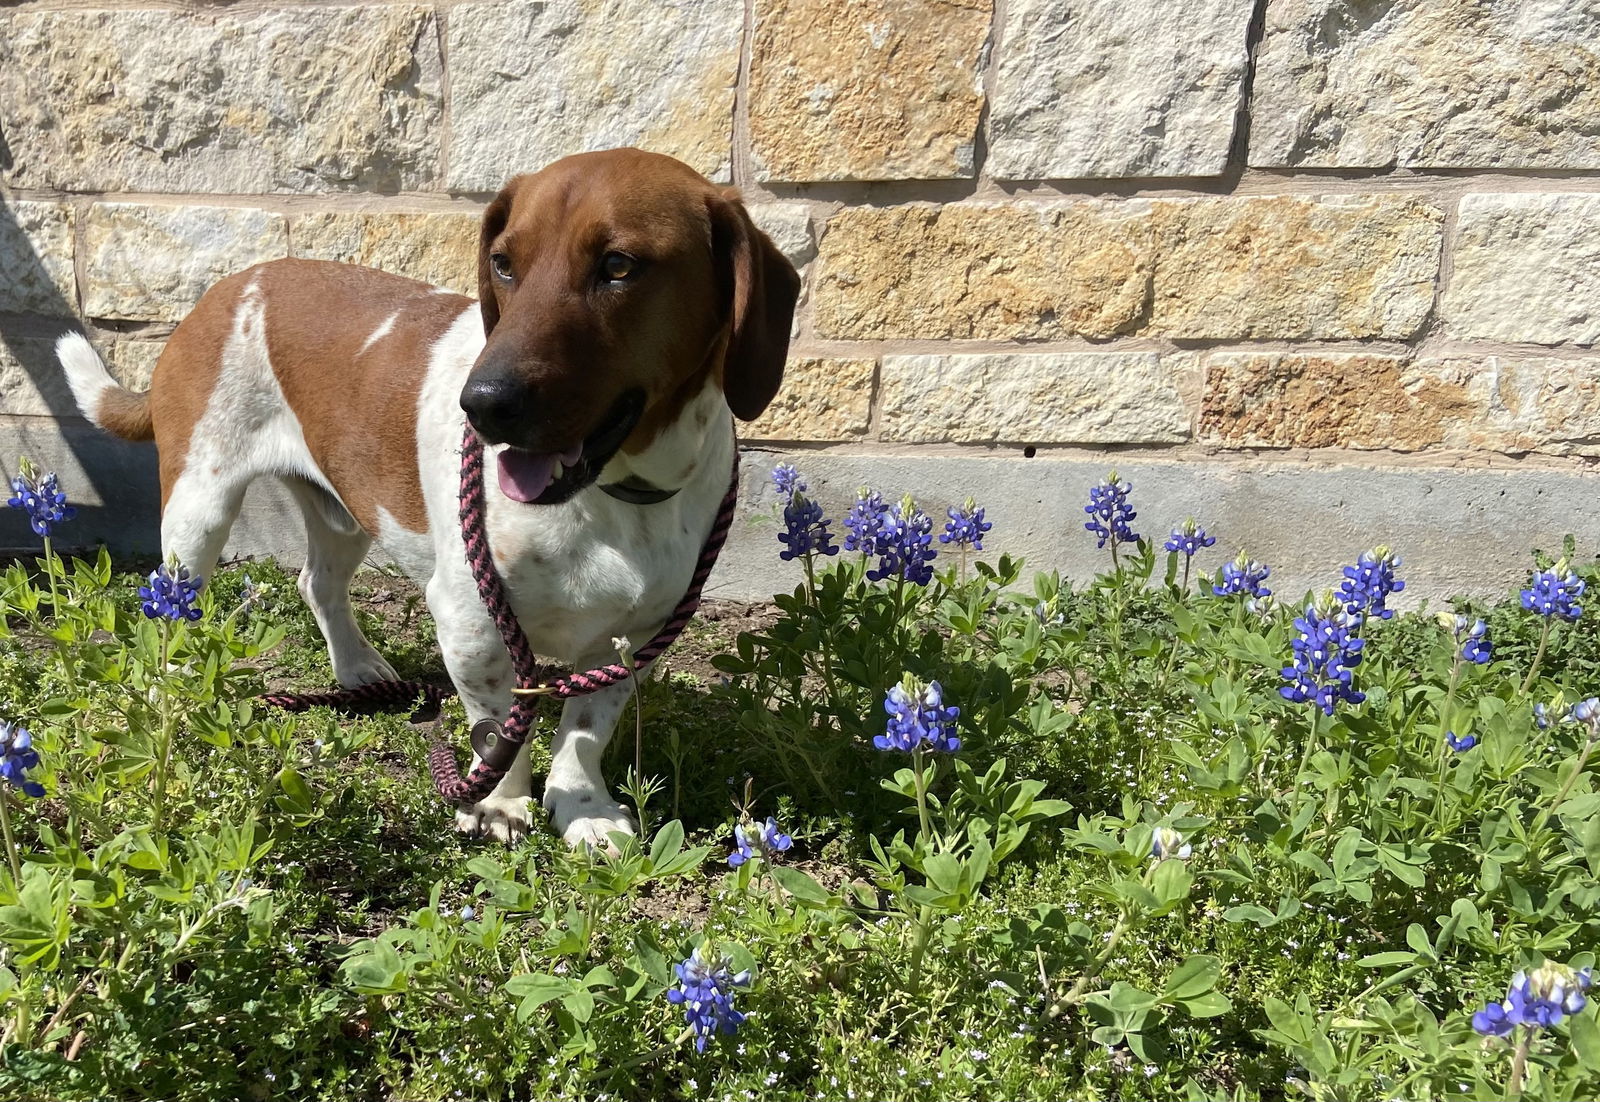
x: 492, y: 747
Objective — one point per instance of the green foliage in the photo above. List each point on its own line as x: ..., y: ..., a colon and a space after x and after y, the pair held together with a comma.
x: 1145, y: 874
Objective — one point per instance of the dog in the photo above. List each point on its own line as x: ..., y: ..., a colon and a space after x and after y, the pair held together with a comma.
x: 626, y: 306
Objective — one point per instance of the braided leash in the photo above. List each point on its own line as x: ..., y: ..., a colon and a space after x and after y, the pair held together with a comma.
x: 497, y: 745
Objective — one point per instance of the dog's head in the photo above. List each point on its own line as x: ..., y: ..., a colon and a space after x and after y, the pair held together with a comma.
x: 614, y: 286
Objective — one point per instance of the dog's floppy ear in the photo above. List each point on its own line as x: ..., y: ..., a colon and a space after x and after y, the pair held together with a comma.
x: 494, y: 223
x: 759, y: 288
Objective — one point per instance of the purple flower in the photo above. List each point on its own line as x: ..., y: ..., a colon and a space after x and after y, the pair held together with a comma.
x: 1539, y: 1000
x: 1553, y: 593
x: 1367, y: 585
x: 171, y: 594
x: 904, y: 544
x: 705, y: 990
x: 966, y: 526
x: 1188, y: 539
x: 768, y: 841
x: 41, y: 499
x: 1242, y: 576
x: 786, y: 479
x: 805, y: 529
x: 1110, y: 516
x: 1460, y: 743
x: 864, y: 522
x: 918, y: 717
x: 1325, y: 651
x: 17, y: 756
x: 1472, y: 637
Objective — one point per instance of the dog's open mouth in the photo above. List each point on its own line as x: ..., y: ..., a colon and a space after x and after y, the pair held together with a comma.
x: 549, y: 478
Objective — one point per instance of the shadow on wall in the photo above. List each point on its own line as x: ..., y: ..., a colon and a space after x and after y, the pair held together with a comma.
x: 113, y: 483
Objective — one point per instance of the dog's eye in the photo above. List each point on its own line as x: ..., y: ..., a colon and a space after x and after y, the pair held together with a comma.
x: 501, y: 263
x: 616, y: 267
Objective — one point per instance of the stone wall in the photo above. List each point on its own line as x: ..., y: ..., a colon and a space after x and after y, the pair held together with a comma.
x: 1323, y: 273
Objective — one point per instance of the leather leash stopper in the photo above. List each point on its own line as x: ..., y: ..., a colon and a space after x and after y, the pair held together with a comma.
x: 492, y: 747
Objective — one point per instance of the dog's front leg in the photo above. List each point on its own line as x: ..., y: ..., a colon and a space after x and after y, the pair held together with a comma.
x: 481, y: 670
x: 581, y: 807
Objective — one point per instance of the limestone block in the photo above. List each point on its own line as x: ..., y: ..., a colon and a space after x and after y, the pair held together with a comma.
x: 822, y: 399
x: 36, y: 275
x: 789, y: 226
x: 436, y: 247
x: 1295, y: 268
x: 1090, y: 88
x: 535, y: 80
x: 1022, y: 398
x: 1527, y: 268
x: 292, y: 99
x: 152, y: 263
x: 1428, y: 84
x: 866, y: 89
x: 990, y: 271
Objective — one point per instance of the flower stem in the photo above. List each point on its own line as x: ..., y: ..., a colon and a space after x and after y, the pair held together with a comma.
x: 1566, y: 787
x: 925, y: 915
x: 11, y: 842
x: 1519, y: 1063
x: 164, y: 747
x: 1544, y: 637
x: 1305, y: 754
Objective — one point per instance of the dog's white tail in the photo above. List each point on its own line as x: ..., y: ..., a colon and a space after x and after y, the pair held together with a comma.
x: 103, y: 400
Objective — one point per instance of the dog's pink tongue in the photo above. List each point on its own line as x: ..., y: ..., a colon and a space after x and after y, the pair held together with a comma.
x: 525, y: 475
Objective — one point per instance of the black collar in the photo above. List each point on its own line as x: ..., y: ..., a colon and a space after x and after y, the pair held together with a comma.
x: 636, y: 491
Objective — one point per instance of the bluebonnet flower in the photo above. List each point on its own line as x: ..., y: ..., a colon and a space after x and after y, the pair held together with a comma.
x: 171, y: 594
x: 1367, y: 585
x: 705, y: 991
x: 1473, y: 639
x: 905, y: 544
x: 1325, y: 651
x: 918, y: 717
x: 864, y: 522
x: 1166, y: 843
x: 17, y: 756
x: 768, y: 841
x: 1188, y: 539
x: 1109, y: 512
x: 786, y: 479
x: 1586, y: 711
x: 966, y: 525
x: 1242, y: 576
x: 41, y: 498
x: 467, y: 914
x: 1539, y: 1000
x: 1460, y: 743
x: 1552, y: 593
x: 805, y: 529
x: 1541, y: 716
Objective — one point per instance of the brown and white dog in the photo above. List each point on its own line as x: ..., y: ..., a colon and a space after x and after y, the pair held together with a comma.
x: 626, y: 305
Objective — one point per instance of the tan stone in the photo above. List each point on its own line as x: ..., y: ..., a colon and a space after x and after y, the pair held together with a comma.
x: 1295, y: 268
x: 1087, y: 88
x: 1428, y: 83
x: 1022, y: 398
x: 152, y: 263
x: 294, y: 99
x: 866, y: 89
x: 1526, y: 269
x: 789, y: 226
x: 32, y: 383
x: 535, y: 80
x: 993, y: 271
x: 822, y: 399
x: 439, y: 248
x: 1378, y: 401
x: 36, y: 274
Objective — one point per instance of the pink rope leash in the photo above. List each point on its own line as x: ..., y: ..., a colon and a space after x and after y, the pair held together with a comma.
x: 533, y: 679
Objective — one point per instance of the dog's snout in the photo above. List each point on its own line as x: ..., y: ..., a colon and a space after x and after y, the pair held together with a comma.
x: 497, y: 407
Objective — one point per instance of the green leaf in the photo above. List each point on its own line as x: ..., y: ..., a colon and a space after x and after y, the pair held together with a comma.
x: 801, y: 886
x: 1208, y: 1005
x: 668, y: 841
x: 1192, y: 978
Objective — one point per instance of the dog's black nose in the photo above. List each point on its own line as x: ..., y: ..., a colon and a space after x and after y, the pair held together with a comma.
x: 496, y: 407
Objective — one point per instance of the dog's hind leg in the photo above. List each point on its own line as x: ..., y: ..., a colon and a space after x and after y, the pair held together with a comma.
x: 198, y: 513
x: 335, y: 548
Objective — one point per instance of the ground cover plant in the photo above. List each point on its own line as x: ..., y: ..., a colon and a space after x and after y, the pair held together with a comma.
x: 930, y: 827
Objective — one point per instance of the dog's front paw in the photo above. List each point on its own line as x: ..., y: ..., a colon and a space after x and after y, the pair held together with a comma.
x: 362, y: 668
x: 504, y: 818
x: 588, y: 824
